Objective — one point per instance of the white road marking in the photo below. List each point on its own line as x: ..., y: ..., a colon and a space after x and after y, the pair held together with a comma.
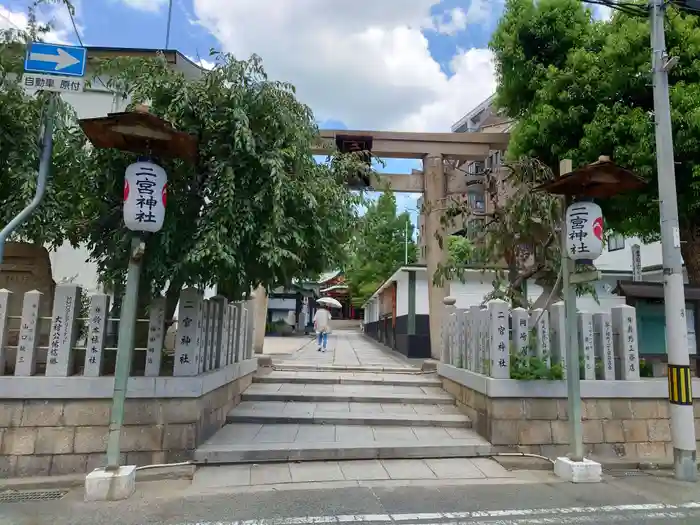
x: 563, y: 516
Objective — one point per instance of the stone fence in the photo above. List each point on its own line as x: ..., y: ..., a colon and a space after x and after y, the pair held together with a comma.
x: 624, y: 415
x: 56, y: 386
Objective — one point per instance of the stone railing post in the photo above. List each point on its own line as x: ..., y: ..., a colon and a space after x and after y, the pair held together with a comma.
x: 25, y: 364
x: 543, y: 347
x: 498, y: 343
x: 624, y: 325
x: 484, y: 341
x: 66, y: 308
x: 460, y: 338
x: 4, y: 304
x: 557, y: 321
x: 447, y: 329
x: 187, y: 338
x: 520, y: 333
x: 225, y: 333
x: 604, y: 345
x: 156, y: 333
x: 585, y: 344
x: 474, y: 363
x: 98, y: 312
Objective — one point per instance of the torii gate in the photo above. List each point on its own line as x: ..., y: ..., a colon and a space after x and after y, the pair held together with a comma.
x: 435, y: 182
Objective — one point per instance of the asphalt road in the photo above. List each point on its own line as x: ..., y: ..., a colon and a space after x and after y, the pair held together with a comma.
x: 640, y: 501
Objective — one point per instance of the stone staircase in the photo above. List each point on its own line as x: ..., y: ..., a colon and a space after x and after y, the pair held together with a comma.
x: 304, y: 413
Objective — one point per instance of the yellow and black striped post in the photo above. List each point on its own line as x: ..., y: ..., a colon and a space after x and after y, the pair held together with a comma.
x: 680, y: 385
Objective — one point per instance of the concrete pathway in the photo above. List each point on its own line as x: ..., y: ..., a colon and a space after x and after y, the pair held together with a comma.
x: 356, y: 401
x: 346, y: 348
x: 284, y: 345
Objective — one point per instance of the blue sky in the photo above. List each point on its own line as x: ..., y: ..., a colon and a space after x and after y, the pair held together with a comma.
x: 419, y: 64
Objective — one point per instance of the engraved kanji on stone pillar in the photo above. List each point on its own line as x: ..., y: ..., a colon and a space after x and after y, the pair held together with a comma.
x: 156, y: 332
x: 29, y: 325
x: 585, y: 344
x: 557, y: 321
x: 218, y: 327
x: 624, y: 324
x: 98, y: 312
x: 499, y: 351
x: 604, y: 350
x: 64, y: 330
x: 187, y: 339
x: 520, y: 332
x: 542, y: 342
x: 4, y: 303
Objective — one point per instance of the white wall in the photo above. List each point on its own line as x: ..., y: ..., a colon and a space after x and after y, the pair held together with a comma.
x: 402, y: 294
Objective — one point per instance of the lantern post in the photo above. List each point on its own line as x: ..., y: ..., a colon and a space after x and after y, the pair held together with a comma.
x: 582, y: 240
x: 145, y: 189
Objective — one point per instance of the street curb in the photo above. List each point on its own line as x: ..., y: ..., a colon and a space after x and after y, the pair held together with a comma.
x: 609, y: 464
x: 70, y: 481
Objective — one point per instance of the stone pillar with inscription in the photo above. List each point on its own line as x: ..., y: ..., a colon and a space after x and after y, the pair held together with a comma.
x: 98, y: 312
x: 624, y: 325
x: 448, y: 329
x: 499, y: 351
x: 25, y: 364
x: 64, y: 330
x: 602, y: 325
x: 156, y: 333
x: 557, y: 321
x: 201, y: 334
x: 187, y: 339
x: 251, y: 330
x: 473, y: 338
x: 237, y: 337
x: 586, y: 344
x: 542, y: 345
x: 225, y: 333
x: 207, y: 308
x: 484, y: 341
x: 220, y: 310
x: 520, y: 333
x: 461, y: 322
x: 4, y: 314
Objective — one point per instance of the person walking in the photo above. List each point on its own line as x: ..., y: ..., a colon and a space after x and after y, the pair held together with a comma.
x: 322, y: 325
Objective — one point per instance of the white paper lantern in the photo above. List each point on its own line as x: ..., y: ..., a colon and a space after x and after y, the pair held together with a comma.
x: 584, y: 231
x: 145, y: 186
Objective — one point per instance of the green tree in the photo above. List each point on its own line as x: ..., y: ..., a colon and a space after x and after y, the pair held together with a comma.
x: 21, y: 117
x: 378, y: 247
x: 581, y: 88
x: 254, y: 209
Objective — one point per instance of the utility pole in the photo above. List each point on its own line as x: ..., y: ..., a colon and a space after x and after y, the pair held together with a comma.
x: 573, y: 373
x: 405, y: 255
x: 681, y: 404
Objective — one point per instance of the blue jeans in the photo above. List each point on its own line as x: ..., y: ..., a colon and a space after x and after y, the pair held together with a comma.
x: 323, y: 339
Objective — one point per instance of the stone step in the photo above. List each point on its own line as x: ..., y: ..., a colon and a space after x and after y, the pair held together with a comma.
x: 256, y: 443
x: 340, y: 378
x: 376, y: 369
x: 339, y: 418
x: 344, y: 397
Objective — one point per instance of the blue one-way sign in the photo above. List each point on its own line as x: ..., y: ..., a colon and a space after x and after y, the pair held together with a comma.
x: 57, y: 59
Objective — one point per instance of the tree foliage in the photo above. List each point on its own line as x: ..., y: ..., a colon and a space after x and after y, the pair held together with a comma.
x: 254, y: 209
x: 581, y: 88
x: 21, y: 119
x: 378, y: 247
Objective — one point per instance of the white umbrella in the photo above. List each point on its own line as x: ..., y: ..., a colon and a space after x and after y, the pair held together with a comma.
x: 329, y: 301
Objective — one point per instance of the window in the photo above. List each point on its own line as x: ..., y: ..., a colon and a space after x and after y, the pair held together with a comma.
x: 616, y: 242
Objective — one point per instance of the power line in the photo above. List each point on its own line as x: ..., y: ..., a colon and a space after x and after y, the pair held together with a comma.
x: 624, y: 7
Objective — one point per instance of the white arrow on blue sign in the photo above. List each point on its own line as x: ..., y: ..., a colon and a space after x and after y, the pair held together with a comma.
x: 45, y: 58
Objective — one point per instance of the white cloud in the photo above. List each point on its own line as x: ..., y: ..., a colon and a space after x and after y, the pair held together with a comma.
x: 152, y: 6
x: 206, y: 64
x: 62, y: 33
x: 368, y: 66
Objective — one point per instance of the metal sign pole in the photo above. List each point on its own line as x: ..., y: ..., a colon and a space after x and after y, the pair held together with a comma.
x: 44, y: 166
